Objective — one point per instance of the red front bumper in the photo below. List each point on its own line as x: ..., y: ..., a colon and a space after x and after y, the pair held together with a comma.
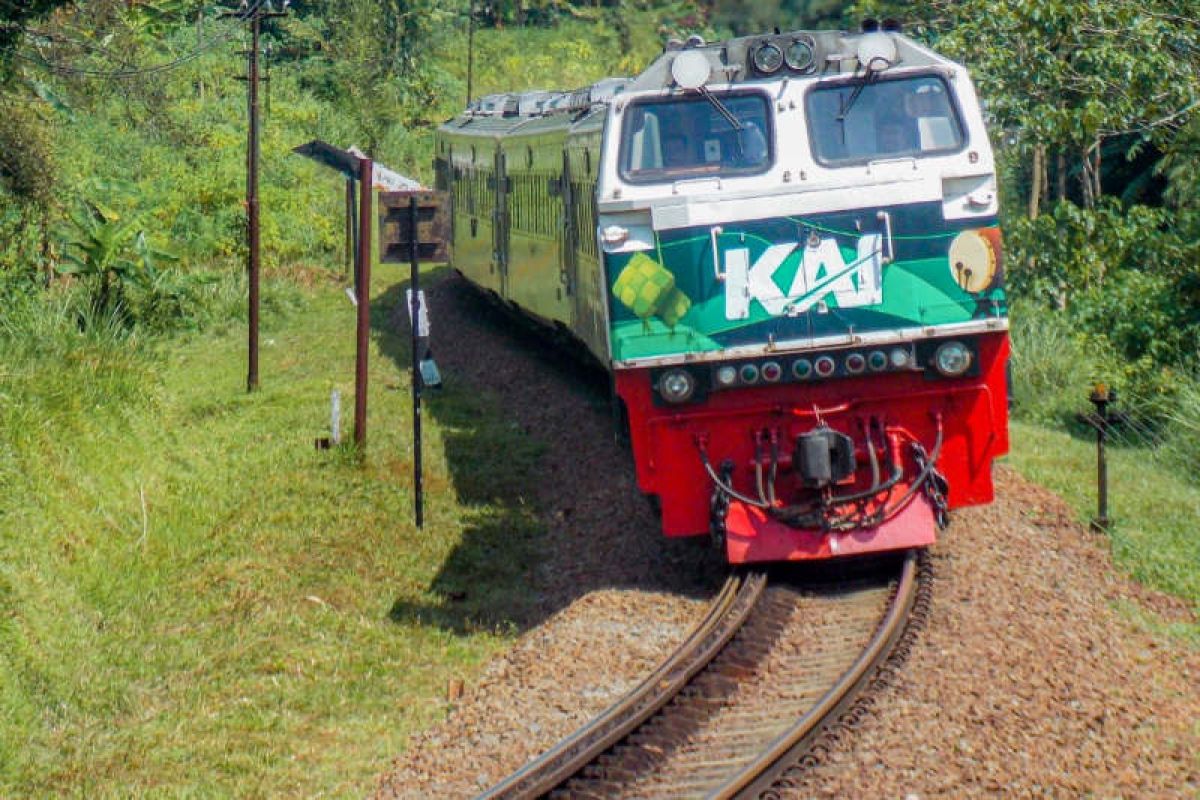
x: 731, y: 425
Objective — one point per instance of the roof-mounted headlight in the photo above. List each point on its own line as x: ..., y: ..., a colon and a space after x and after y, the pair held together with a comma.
x: 767, y: 58
x: 799, y: 56
x: 876, y: 51
x: 690, y: 69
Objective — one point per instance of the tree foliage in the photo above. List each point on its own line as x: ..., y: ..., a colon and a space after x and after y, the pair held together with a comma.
x: 14, y: 16
x: 743, y: 18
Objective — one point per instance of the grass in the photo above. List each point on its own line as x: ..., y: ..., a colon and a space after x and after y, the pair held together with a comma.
x: 194, y: 601
x: 1155, y: 533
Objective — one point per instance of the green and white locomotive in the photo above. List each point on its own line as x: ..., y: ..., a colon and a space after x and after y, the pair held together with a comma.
x: 785, y: 250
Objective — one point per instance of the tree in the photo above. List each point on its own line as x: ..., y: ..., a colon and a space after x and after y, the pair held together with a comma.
x: 14, y: 15
x: 744, y: 17
x: 1064, y: 77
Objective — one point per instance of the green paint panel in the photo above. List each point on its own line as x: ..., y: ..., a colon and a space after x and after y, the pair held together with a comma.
x: 795, y: 279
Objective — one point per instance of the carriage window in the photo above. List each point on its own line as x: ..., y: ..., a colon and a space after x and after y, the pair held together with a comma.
x: 886, y: 119
x: 683, y: 138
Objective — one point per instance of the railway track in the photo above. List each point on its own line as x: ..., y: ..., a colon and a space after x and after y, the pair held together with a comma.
x: 769, y: 676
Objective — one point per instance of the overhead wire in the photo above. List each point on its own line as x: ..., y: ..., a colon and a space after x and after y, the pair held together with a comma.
x: 241, y: 15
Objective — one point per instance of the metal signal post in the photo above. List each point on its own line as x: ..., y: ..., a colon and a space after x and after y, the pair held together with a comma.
x: 415, y: 316
x: 254, y: 15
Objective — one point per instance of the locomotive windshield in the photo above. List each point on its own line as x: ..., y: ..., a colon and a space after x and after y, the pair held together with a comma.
x: 691, y: 137
x: 885, y: 119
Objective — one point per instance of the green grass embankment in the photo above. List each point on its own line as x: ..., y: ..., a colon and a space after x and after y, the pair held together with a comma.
x: 195, y: 601
x: 1155, y: 531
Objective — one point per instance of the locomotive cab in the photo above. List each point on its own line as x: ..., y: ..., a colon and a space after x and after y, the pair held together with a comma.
x: 803, y: 271
x: 785, y: 249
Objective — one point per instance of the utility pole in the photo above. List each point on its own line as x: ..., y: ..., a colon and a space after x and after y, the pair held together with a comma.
x: 253, y: 14
x: 470, y: 49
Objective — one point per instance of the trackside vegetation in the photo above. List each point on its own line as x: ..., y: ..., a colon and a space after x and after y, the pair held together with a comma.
x: 194, y: 601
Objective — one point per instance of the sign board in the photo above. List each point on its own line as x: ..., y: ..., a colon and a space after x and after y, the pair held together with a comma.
x: 395, y: 227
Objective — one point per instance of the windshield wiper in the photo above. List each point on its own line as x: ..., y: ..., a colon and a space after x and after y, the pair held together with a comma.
x: 719, y: 106
x: 854, y: 95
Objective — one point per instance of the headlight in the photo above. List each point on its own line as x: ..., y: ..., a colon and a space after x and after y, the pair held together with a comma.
x: 952, y: 359
x: 876, y: 51
x: 799, y: 56
x: 767, y: 58
x: 676, y: 385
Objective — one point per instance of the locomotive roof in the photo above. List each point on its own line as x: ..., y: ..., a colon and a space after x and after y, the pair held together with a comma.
x: 730, y: 62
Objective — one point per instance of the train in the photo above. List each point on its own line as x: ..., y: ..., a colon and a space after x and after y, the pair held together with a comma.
x: 785, y: 251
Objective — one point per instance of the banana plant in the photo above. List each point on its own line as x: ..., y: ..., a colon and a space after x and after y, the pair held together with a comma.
x: 111, y: 253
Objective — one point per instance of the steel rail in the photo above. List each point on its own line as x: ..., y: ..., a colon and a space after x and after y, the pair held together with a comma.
x: 758, y: 776
x: 726, y: 614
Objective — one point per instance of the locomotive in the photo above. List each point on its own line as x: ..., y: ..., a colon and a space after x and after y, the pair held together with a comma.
x: 784, y: 248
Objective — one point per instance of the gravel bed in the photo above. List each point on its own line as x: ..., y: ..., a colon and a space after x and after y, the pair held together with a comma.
x: 1029, y: 680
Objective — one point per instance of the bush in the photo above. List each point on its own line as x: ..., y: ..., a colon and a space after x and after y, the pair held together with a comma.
x: 1119, y: 273
x: 1053, y: 365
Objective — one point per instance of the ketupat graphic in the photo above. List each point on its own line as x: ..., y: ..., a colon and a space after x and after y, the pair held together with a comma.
x: 647, y: 288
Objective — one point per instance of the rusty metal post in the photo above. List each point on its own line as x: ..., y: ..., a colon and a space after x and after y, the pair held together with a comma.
x: 363, y: 294
x: 252, y: 211
x: 415, y: 316
x: 1101, y: 397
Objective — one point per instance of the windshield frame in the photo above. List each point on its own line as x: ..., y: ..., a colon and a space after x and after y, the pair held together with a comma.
x: 849, y: 82
x: 694, y: 172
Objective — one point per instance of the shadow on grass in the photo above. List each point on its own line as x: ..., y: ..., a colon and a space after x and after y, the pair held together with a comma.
x: 510, y: 398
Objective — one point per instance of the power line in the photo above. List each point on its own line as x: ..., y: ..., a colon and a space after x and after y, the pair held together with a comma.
x: 241, y: 15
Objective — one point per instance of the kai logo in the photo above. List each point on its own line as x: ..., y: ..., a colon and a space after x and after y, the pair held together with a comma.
x: 821, y: 272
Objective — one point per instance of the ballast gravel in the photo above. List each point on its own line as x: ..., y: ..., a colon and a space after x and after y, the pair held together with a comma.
x: 1032, y: 678
x: 1035, y: 675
